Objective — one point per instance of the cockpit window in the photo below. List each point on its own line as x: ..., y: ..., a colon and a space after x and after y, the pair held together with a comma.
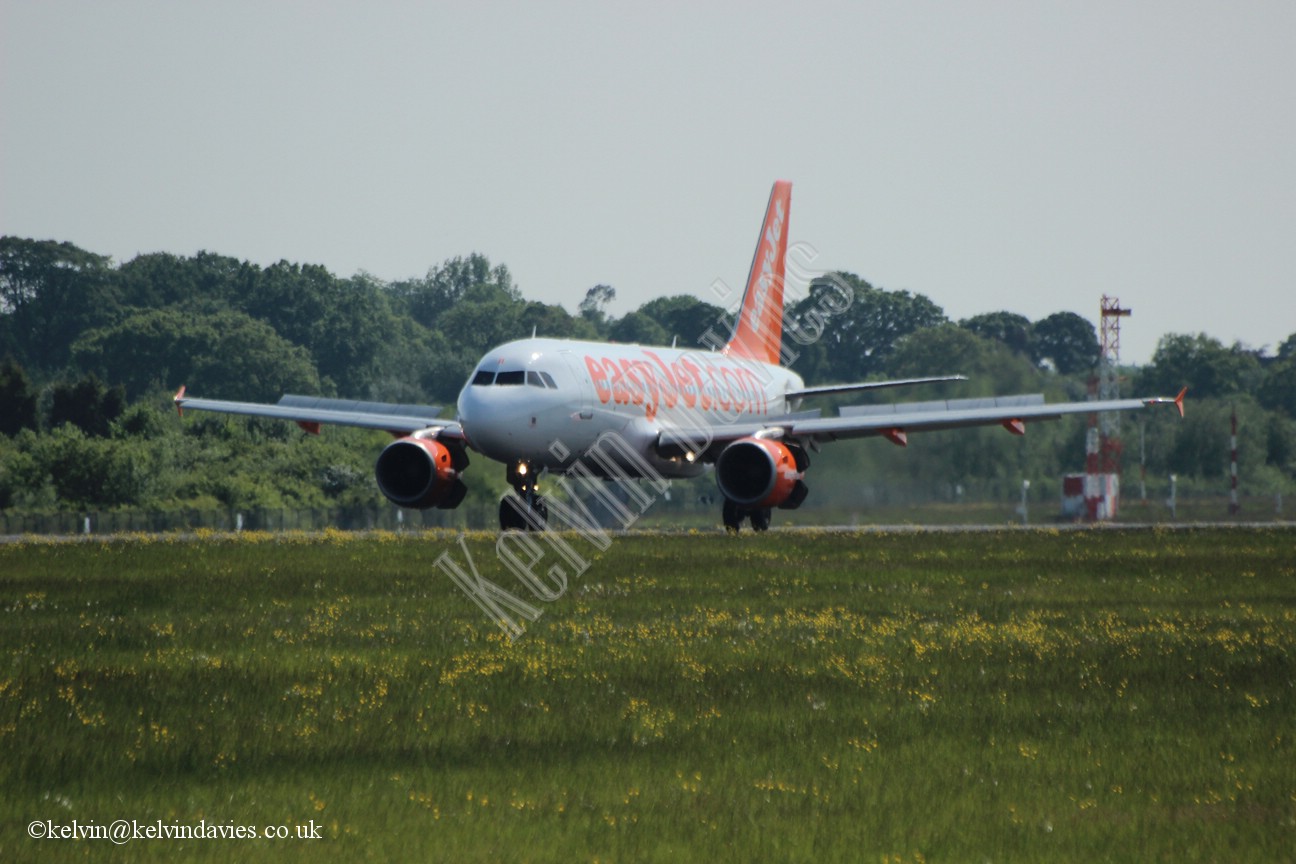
x: 548, y: 379
x: 483, y: 378
x: 533, y: 379
x: 510, y: 378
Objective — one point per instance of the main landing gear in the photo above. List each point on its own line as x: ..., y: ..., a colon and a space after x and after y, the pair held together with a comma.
x: 526, y: 510
x: 734, y: 515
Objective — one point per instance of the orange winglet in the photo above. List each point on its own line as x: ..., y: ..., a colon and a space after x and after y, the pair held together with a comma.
x: 1177, y: 401
x: 897, y: 437
x: 179, y: 400
x: 1015, y: 426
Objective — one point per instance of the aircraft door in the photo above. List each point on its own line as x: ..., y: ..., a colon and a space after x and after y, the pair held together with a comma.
x: 585, y: 387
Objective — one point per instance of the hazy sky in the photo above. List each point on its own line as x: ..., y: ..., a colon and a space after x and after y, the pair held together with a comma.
x: 1027, y: 156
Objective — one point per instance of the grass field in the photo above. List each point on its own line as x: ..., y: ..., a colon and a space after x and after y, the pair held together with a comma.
x: 798, y: 696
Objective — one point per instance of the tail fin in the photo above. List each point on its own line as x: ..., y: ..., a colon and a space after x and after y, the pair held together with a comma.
x: 758, y: 335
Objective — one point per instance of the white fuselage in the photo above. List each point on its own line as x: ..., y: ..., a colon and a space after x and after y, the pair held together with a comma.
x: 548, y: 401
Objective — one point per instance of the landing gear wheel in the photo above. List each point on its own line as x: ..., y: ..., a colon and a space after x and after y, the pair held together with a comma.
x: 760, y: 519
x: 541, y: 511
x: 516, y: 514
x: 732, y: 517
x: 510, y: 517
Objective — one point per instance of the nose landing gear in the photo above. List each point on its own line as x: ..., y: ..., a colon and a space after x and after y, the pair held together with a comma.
x: 526, y: 509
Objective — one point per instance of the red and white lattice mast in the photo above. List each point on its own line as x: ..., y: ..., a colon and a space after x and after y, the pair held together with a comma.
x: 1103, y: 442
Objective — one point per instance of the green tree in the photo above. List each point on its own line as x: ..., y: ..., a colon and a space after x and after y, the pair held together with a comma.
x: 49, y: 294
x: 990, y: 365
x: 594, y: 307
x: 637, y: 328
x: 444, y: 367
x: 348, y: 341
x: 427, y: 299
x: 857, y: 341
x: 88, y: 404
x: 685, y: 319
x: 1202, y: 364
x: 24, y: 482
x: 1278, y: 390
x: 554, y: 321
x: 294, y: 299
x: 91, y: 472
x: 1011, y: 329
x: 161, y: 279
x: 1280, y: 443
x: 484, y: 317
x: 1066, y: 340
x: 17, y: 398
x: 223, y: 354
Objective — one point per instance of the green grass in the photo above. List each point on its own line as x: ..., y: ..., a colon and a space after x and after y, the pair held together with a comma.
x: 1008, y: 696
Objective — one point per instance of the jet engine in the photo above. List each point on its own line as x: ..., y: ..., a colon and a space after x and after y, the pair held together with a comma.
x: 422, y: 473
x: 761, y: 472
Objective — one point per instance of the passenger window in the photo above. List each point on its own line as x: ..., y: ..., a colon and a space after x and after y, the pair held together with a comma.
x: 548, y: 379
x: 483, y: 378
x: 533, y: 379
x: 505, y: 379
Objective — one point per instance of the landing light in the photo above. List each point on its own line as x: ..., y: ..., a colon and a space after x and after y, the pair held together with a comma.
x: 522, y: 468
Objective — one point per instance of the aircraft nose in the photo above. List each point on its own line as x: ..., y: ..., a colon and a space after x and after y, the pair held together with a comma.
x: 488, y: 421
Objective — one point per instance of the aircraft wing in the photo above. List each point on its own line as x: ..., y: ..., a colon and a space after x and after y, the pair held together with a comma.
x: 894, y: 422
x: 1011, y: 412
x: 311, y: 412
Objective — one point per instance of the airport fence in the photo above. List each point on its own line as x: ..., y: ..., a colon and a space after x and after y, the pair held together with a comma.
x: 679, y: 513
x: 266, y: 519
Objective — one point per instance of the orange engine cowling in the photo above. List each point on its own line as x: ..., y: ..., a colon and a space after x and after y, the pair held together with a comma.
x: 421, y: 473
x: 760, y: 472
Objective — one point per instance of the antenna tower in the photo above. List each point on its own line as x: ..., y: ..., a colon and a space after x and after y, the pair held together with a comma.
x: 1103, y: 443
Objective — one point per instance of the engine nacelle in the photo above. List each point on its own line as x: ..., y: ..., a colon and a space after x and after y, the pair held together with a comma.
x: 760, y: 472
x: 421, y: 473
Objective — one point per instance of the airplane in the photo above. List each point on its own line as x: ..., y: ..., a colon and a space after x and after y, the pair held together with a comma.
x: 542, y: 405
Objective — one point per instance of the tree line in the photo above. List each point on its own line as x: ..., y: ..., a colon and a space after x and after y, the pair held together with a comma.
x: 90, y: 352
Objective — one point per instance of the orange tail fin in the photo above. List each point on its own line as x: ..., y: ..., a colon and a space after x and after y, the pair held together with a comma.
x: 758, y: 334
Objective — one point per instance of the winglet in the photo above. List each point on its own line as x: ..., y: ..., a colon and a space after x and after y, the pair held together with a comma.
x: 758, y: 333
x: 1177, y: 401
x: 179, y: 400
